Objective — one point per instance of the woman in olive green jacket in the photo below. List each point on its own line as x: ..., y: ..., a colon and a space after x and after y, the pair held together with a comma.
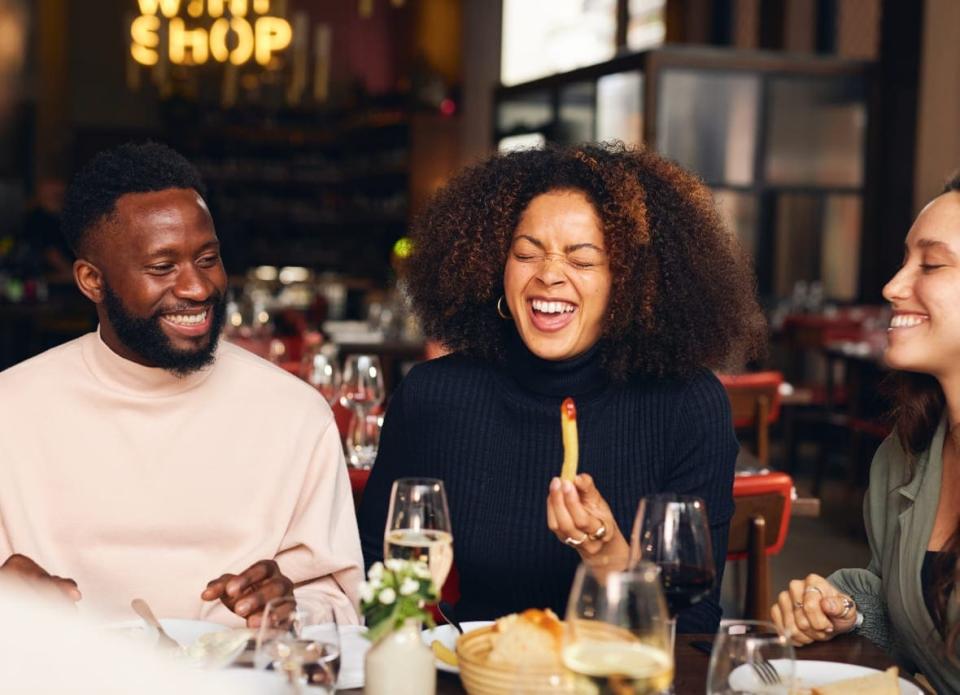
x: 906, y: 598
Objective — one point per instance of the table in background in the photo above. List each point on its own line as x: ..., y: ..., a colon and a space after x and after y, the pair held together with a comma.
x: 692, y: 664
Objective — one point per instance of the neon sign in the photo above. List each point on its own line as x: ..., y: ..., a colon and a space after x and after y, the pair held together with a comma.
x: 241, y: 30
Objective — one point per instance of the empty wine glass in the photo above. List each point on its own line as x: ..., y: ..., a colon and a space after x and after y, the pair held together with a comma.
x: 616, y: 637
x: 361, y: 390
x: 320, y: 369
x: 300, y: 642
x: 418, y: 526
x: 750, y: 656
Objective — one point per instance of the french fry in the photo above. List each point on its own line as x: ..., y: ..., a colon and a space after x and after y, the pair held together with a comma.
x: 444, y: 653
x: 571, y: 447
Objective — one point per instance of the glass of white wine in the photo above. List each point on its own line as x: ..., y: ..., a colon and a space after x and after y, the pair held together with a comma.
x: 617, y: 637
x: 301, y: 643
x: 418, y: 526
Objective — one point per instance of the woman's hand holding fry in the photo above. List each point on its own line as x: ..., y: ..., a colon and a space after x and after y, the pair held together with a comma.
x: 581, y: 518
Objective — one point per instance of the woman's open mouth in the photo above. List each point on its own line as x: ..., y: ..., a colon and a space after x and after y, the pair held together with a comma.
x: 551, y: 315
x: 903, y: 321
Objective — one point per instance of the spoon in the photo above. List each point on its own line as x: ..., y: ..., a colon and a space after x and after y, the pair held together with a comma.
x: 143, y: 610
x: 446, y: 612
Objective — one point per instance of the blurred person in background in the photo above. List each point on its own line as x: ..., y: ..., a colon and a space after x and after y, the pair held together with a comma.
x: 48, y: 251
x: 596, y: 272
x: 147, y: 458
x: 906, y: 598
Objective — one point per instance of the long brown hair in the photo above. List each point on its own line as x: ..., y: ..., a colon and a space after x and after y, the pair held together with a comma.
x: 919, y: 403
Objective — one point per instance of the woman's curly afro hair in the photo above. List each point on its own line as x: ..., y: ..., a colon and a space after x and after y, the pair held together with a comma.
x: 683, y: 294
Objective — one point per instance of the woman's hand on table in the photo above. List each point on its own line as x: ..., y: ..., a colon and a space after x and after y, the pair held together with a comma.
x: 813, y: 610
x: 248, y: 593
x: 580, y: 517
x: 21, y: 568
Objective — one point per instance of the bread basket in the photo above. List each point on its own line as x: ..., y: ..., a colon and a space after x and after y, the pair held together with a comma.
x: 482, y: 678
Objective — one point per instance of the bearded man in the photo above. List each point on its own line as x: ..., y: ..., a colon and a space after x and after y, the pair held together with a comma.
x: 150, y: 460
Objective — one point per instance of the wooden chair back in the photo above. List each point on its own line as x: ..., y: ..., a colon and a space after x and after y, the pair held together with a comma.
x: 759, y: 528
x: 755, y: 404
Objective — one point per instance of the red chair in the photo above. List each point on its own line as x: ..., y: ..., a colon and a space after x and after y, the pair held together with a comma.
x: 755, y: 404
x: 759, y: 529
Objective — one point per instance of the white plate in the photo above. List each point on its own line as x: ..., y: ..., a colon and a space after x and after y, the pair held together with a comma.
x: 185, y: 632
x: 812, y: 673
x: 447, y: 635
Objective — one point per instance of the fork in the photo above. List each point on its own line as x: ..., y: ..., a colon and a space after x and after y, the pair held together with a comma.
x: 143, y: 610
x: 766, y: 672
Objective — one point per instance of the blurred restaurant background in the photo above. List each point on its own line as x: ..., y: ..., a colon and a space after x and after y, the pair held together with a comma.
x: 322, y: 127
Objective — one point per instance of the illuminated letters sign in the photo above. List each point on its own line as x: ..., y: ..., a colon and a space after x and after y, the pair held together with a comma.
x: 241, y: 30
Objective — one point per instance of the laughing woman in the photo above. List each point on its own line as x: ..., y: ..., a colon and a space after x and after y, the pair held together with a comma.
x: 595, y: 272
x: 906, y: 599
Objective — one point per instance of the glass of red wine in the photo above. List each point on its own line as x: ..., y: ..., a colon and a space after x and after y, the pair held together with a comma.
x: 673, y: 532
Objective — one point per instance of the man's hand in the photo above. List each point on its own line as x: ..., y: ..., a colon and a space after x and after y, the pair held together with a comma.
x: 248, y: 593
x: 22, y: 569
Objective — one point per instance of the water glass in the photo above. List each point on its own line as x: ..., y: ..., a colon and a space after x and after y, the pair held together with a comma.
x: 301, y: 643
x: 750, y: 656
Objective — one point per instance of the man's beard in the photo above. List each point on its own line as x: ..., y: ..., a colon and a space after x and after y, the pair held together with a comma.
x: 145, y: 337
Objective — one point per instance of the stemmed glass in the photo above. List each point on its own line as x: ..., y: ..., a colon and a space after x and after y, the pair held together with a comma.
x: 418, y: 526
x: 616, y: 638
x: 302, y: 643
x: 320, y: 370
x: 750, y: 656
x: 361, y: 390
x: 673, y: 532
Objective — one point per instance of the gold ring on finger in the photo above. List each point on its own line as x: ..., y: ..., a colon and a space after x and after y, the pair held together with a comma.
x: 847, y: 605
x: 599, y: 533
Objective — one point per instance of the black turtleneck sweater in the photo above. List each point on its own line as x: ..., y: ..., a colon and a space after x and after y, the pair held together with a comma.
x: 492, y: 434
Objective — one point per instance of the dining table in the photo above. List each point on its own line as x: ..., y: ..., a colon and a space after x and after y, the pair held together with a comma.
x: 692, y: 662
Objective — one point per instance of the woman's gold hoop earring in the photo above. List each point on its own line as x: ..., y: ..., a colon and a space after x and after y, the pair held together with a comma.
x: 500, y: 312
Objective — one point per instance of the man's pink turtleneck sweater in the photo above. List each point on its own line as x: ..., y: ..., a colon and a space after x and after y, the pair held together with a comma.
x: 137, y: 483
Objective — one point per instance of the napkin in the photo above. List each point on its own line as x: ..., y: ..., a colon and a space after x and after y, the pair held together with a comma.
x: 353, y: 649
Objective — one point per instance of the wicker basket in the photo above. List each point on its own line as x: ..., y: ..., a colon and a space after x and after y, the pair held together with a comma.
x: 481, y: 678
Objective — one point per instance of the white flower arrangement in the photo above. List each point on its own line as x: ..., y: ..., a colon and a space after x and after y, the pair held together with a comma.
x: 395, y: 591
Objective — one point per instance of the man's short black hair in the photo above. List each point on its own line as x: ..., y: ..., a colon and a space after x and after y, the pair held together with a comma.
x: 129, y: 168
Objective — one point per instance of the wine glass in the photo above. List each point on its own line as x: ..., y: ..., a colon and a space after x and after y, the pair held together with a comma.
x: 320, y: 370
x: 418, y: 526
x: 362, y: 390
x: 673, y: 532
x: 303, y: 643
x: 750, y: 656
x: 616, y: 638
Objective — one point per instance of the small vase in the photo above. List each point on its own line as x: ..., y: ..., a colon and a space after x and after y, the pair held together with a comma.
x: 399, y: 663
